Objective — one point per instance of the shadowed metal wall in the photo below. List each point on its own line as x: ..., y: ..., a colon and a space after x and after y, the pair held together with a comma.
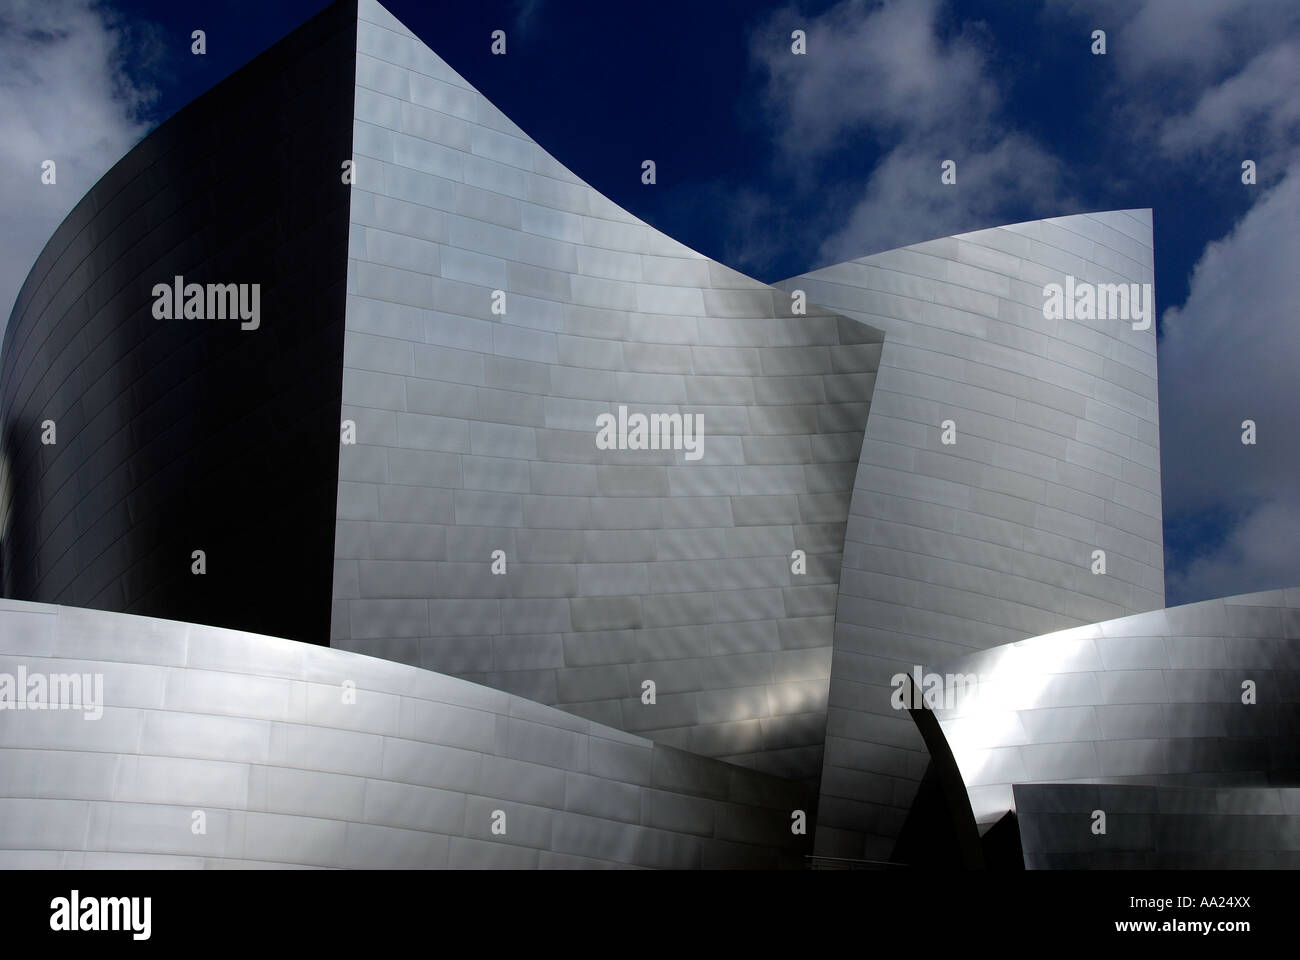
x: 1160, y: 698
x: 476, y: 432
x: 1158, y: 828
x: 291, y: 767
x: 191, y: 434
x: 990, y: 539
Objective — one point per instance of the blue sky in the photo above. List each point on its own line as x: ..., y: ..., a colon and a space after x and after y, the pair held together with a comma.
x: 778, y: 164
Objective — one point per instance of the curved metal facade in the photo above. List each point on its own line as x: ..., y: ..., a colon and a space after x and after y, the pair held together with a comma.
x: 1158, y: 827
x: 476, y: 433
x: 988, y: 539
x: 302, y: 756
x: 947, y: 456
x: 1158, y: 699
x: 176, y: 435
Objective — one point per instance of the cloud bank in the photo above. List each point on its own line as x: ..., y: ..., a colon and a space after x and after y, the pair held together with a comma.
x: 66, y: 96
x: 897, y: 79
x: 1187, y: 91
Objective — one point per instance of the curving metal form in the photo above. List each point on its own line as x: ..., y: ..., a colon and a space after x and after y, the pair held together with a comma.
x: 1203, y: 695
x: 497, y: 307
x: 128, y: 441
x: 1158, y: 827
x: 216, y: 748
x: 989, y: 538
x: 545, y: 618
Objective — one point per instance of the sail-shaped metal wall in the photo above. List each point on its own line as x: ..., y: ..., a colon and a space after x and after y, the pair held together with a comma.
x: 497, y: 306
x: 961, y: 546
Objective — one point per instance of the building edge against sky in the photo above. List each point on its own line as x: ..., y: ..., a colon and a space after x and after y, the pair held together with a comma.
x: 172, y: 436
x: 497, y: 306
x: 1004, y: 448
x: 949, y: 458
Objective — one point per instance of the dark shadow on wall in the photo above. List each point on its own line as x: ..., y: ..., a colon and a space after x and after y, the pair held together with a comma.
x: 177, y: 435
x: 939, y: 831
x: 16, y: 537
x: 1003, y: 850
x: 932, y: 837
x: 929, y: 839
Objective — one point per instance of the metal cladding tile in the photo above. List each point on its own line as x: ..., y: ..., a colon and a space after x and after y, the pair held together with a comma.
x: 541, y: 743
x: 521, y: 615
x: 538, y: 685
x: 666, y: 643
x: 534, y: 652
x: 446, y: 724
x: 433, y: 765
x: 596, y: 648
x: 172, y: 780
x: 624, y: 762
x: 670, y: 716
x: 215, y: 738
x: 753, y: 636
x: 1131, y: 758
x: 1056, y: 798
x: 684, y: 772
x: 594, y: 683
x: 579, y: 835
x: 606, y: 613
x: 604, y: 798
x: 1133, y: 721
x: 470, y: 854
x: 413, y: 807
x: 682, y: 814
x: 1177, y: 829
x: 525, y: 825
x: 726, y: 739
x: 605, y: 712
x: 368, y: 846
x: 548, y: 860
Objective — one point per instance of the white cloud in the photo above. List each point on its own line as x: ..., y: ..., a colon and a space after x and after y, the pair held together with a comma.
x: 1198, y: 85
x: 895, y: 77
x: 1259, y: 554
x: 872, y: 67
x: 526, y: 12
x: 1256, y: 108
x: 1230, y: 353
x: 1196, y: 77
x: 64, y: 96
x: 1192, y: 41
x: 905, y: 201
x: 1215, y: 83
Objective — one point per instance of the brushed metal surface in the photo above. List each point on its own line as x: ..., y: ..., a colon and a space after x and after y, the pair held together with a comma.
x: 476, y: 432
x: 1202, y: 695
x: 954, y: 547
x: 298, y: 755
